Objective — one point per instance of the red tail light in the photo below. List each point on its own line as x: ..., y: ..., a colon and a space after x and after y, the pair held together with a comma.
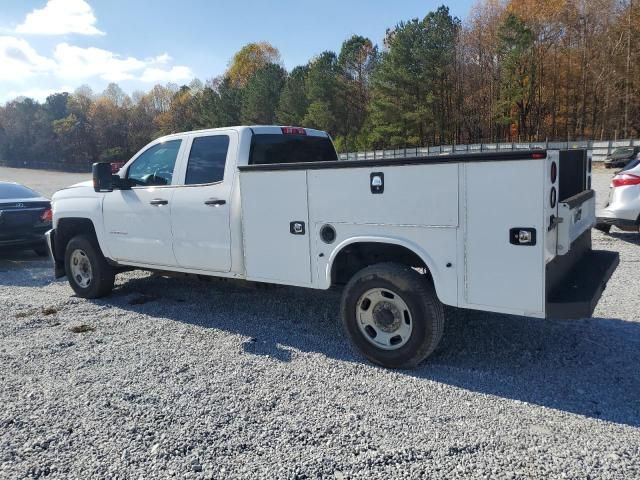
x: 625, y: 179
x: 293, y: 131
x: 46, y: 216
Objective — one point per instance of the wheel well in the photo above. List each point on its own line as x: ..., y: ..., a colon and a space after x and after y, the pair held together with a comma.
x: 353, y: 258
x: 68, y: 228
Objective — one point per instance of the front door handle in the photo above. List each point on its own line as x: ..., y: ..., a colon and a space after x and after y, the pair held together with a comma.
x: 215, y: 202
x: 159, y: 201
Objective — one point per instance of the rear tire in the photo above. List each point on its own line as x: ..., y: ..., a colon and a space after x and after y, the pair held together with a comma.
x: 88, y: 271
x: 392, y: 315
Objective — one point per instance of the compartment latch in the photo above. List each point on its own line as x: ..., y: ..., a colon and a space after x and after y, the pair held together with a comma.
x: 522, y: 236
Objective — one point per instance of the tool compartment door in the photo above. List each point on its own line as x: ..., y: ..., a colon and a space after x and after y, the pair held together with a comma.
x: 501, y: 273
x: 275, y: 224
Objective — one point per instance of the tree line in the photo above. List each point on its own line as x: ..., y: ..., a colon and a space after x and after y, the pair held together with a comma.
x: 515, y: 70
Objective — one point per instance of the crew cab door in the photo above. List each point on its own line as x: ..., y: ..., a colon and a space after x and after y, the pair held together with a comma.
x: 137, y: 222
x: 200, y: 211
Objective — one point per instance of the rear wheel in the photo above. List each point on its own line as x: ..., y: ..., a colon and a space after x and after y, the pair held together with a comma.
x: 89, y: 273
x: 392, y: 315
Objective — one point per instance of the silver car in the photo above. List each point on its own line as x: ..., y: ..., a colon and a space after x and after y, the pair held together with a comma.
x: 623, y: 208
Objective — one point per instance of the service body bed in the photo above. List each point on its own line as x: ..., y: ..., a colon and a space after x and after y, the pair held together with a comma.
x: 496, y: 230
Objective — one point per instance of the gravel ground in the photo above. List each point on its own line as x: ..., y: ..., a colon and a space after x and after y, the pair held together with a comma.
x: 182, y: 378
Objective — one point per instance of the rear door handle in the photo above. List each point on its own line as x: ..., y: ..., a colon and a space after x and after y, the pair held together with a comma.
x: 215, y: 202
x: 159, y: 201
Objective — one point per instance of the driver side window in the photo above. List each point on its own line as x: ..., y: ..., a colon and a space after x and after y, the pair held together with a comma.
x: 155, y: 165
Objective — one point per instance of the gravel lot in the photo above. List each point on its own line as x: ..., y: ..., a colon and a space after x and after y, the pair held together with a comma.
x: 182, y: 378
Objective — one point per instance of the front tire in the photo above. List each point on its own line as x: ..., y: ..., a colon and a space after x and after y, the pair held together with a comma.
x: 88, y: 272
x: 392, y: 315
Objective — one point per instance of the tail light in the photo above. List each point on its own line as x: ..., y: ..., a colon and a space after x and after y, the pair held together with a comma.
x: 46, y: 216
x: 625, y: 179
x: 293, y: 131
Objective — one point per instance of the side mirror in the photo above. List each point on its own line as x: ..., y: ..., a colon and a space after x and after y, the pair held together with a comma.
x: 102, y: 177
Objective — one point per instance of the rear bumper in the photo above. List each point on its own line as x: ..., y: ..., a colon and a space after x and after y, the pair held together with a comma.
x: 22, y: 237
x: 575, y: 281
x: 58, y: 263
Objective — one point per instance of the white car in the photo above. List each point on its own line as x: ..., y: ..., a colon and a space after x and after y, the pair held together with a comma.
x: 623, y: 208
x: 498, y: 231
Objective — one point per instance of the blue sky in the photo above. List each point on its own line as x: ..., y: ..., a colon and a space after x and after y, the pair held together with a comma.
x: 53, y: 45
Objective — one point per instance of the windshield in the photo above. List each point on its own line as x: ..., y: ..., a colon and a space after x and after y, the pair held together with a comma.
x: 11, y: 191
x: 278, y: 148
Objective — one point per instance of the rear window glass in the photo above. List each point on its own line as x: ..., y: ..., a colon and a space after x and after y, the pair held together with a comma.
x: 631, y: 165
x: 10, y: 191
x: 207, y: 160
x: 276, y: 148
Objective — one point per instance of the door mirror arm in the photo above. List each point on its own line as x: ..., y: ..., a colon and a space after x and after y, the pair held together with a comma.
x: 120, y: 183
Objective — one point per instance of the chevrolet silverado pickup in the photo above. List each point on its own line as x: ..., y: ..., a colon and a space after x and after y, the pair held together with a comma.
x: 506, y: 232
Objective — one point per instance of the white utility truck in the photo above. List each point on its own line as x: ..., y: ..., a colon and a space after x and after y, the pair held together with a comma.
x: 505, y: 232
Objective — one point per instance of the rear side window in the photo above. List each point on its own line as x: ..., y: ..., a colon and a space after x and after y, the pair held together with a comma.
x: 12, y: 191
x: 207, y: 159
x: 276, y: 148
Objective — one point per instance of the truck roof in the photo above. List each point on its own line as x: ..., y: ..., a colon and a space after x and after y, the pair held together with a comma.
x: 255, y: 130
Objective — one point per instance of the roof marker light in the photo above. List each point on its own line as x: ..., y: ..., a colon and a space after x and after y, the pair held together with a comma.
x: 293, y: 131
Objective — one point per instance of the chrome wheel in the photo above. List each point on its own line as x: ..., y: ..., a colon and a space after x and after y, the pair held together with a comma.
x: 384, y: 318
x: 81, y: 268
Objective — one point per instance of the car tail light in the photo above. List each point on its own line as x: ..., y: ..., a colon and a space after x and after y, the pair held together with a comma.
x: 625, y: 179
x: 293, y: 131
x: 46, y: 216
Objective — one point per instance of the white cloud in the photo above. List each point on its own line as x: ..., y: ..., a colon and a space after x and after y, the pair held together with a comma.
x: 60, y: 17
x: 175, y: 74
x: 161, y: 59
x: 25, y: 72
x: 20, y: 61
x: 82, y: 63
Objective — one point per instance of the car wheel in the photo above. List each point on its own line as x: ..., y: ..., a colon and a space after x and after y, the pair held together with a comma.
x: 88, y: 271
x: 392, y: 315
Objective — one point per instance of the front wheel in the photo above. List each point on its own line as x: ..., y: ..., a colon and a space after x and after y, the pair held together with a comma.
x: 392, y: 315
x: 89, y: 273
